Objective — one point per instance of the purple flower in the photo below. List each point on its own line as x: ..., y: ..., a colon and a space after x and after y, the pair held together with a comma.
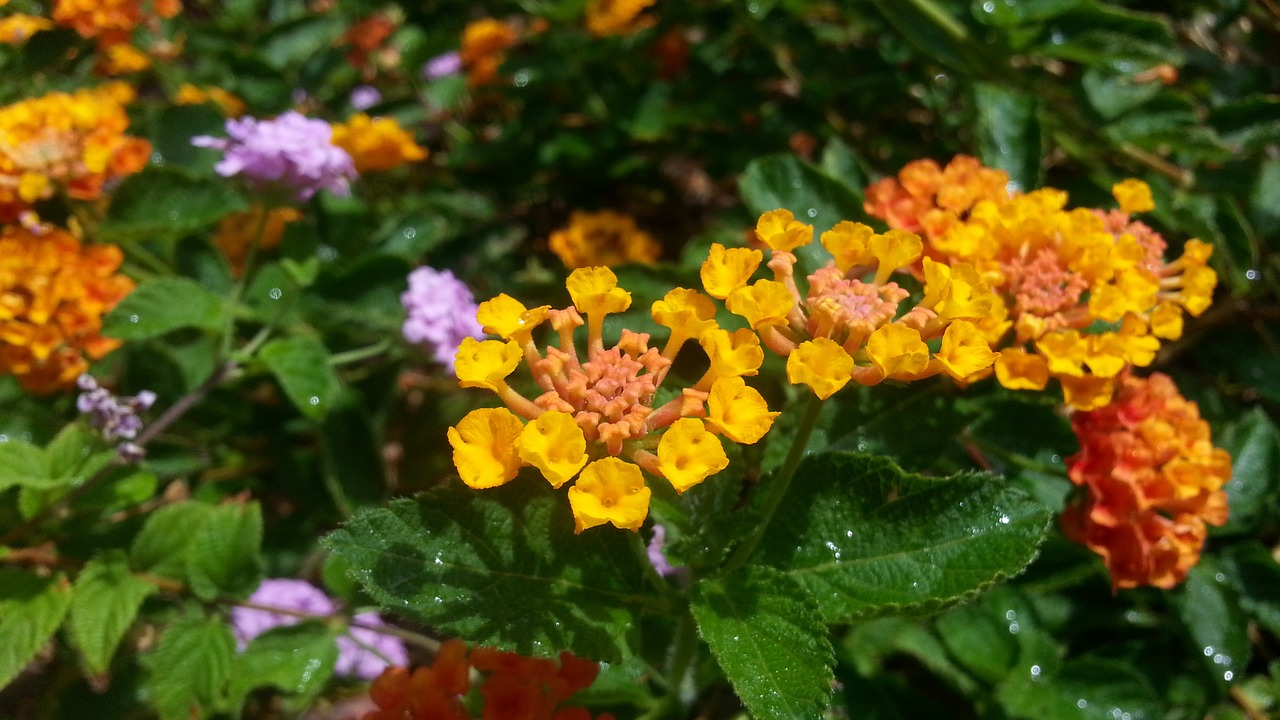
x: 656, y: 557
x: 442, y: 313
x: 362, y: 652
x: 291, y: 154
x: 444, y: 65
x: 116, y: 417
x: 365, y: 97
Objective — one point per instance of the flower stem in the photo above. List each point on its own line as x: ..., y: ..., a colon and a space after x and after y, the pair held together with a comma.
x: 777, y: 485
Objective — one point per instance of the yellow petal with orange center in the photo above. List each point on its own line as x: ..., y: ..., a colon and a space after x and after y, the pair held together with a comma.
x: 780, y: 230
x: 898, y: 350
x: 727, y: 269
x: 1064, y: 351
x: 687, y: 313
x: 1133, y: 195
x: 1018, y: 369
x: 595, y: 290
x: 484, y: 447
x: 822, y: 365
x: 763, y: 304
x: 1087, y: 392
x: 609, y: 491
x: 555, y: 445
x: 849, y: 244
x: 506, y: 317
x: 486, y: 363
x: 895, y: 249
x: 732, y: 353
x: 689, y: 454
x: 738, y: 411
x: 964, y: 352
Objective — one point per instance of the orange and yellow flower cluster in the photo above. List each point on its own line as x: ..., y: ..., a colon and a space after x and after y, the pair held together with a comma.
x: 70, y: 142
x: 617, y: 17
x: 110, y: 22
x: 53, y: 293
x: 848, y: 326
x: 603, y: 238
x: 1153, y: 481
x: 484, y: 49
x: 376, y: 144
x: 595, y: 419
x: 229, y: 104
x: 513, y: 686
x: 1081, y: 294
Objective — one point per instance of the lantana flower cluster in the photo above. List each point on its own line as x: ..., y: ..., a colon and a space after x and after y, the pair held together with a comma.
x: 511, y: 686
x: 376, y: 143
x: 73, y: 142
x: 290, y: 156
x: 849, y: 325
x: 441, y: 313
x: 1153, y: 481
x: 606, y: 238
x: 53, y: 294
x: 484, y: 48
x: 596, y: 419
x: 617, y: 17
x: 1081, y: 294
x: 111, y: 22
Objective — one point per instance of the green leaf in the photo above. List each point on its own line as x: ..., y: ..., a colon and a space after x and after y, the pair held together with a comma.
x: 23, y: 465
x: 768, y: 640
x: 865, y: 538
x: 31, y: 609
x: 162, y: 203
x: 1084, y: 688
x: 1211, y: 614
x: 225, y: 559
x: 1265, y: 199
x: 1114, y: 95
x: 301, y: 364
x: 190, y: 667
x: 297, y: 659
x: 500, y: 567
x: 979, y: 641
x: 107, y: 598
x: 1254, y: 444
x: 162, y: 546
x: 1009, y: 133
x: 1256, y: 577
x: 813, y: 196
x: 935, y: 32
x: 160, y: 305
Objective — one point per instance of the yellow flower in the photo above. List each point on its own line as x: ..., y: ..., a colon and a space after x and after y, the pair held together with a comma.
x: 964, y: 352
x: 616, y: 17
x: 483, y: 49
x: 609, y: 491
x: 1087, y: 392
x: 1133, y: 195
x: 486, y: 364
x: 379, y: 144
x: 765, y: 303
x: 605, y: 238
x: 484, y: 447
x: 738, y: 411
x: 898, y: 351
x: 1018, y: 369
x: 229, y: 104
x: 554, y: 444
x: 732, y: 354
x: 16, y: 29
x: 689, y: 454
x: 822, y: 365
x: 1166, y: 321
x: 595, y: 291
x: 1064, y: 351
x: 849, y: 244
x: 780, y: 230
x: 894, y: 249
x: 122, y: 59
x: 726, y: 270
x: 688, y: 314
x: 508, y: 318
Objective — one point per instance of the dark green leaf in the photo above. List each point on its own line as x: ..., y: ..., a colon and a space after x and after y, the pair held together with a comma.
x: 224, y: 558
x: 162, y: 546
x: 107, y: 598
x: 500, y: 567
x: 162, y: 203
x: 1084, y: 689
x: 301, y: 364
x: 297, y: 659
x: 1113, y: 95
x: 866, y: 538
x: 1009, y: 133
x: 1254, y: 445
x: 1256, y: 577
x: 190, y: 667
x: 31, y: 609
x: 979, y: 641
x: 1211, y: 614
x: 163, y: 304
x: 1265, y: 203
x: 768, y: 640
x: 814, y: 197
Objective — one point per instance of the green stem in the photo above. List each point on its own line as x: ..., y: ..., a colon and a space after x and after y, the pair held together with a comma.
x: 777, y: 485
x: 364, y: 353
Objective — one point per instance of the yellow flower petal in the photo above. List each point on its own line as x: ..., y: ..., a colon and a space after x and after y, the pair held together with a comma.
x: 506, y: 317
x: 1018, y: 369
x: 726, y: 270
x: 895, y: 249
x: 898, y: 350
x: 1166, y: 321
x: 595, y: 290
x: 687, y: 313
x: 555, y: 445
x: 484, y: 447
x: 487, y: 363
x: 689, y: 454
x: 764, y: 303
x: 850, y: 244
x: 609, y: 491
x: 1064, y: 351
x: 964, y: 351
x: 738, y: 411
x: 732, y: 353
x: 1087, y: 392
x: 822, y: 365
x: 1133, y: 195
x: 780, y: 230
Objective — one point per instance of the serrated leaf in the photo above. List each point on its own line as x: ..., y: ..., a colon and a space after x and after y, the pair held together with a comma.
x: 813, y: 196
x: 31, y: 609
x: 768, y: 640
x: 23, y: 465
x: 297, y: 659
x: 161, y: 203
x: 1009, y: 133
x: 162, y: 546
x: 301, y: 364
x: 189, y: 667
x: 866, y: 538
x: 225, y: 558
x: 160, y: 305
x: 500, y: 567
x: 107, y: 598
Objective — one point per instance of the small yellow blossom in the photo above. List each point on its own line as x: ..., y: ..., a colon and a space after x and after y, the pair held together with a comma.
x: 484, y: 447
x: 229, y: 104
x: 727, y: 269
x: 508, y: 318
x: 1133, y: 195
x: 605, y: 238
x: 822, y: 365
x: 555, y: 445
x: 738, y: 411
x: 609, y: 491
x: 688, y: 314
x: 616, y: 17
x: 732, y: 354
x: 893, y: 250
x: 689, y: 454
x: 486, y: 363
x: 764, y: 303
x: 483, y: 49
x: 898, y: 351
x: 595, y: 290
x: 965, y: 352
x: 780, y: 230
x: 1166, y: 321
x: 1018, y: 369
x: 121, y: 59
x: 18, y: 28
x: 850, y: 245
x: 376, y: 144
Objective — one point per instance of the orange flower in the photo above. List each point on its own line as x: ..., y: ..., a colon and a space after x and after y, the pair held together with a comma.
x: 376, y: 144
x: 603, y: 238
x: 235, y: 233
x: 1153, y: 481
x: 928, y: 199
x: 484, y: 45
x: 616, y: 17
x: 53, y: 293
x: 110, y: 21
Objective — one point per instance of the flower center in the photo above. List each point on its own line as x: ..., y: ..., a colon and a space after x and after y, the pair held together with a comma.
x: 1043, y: 286
x: 839, y: 306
